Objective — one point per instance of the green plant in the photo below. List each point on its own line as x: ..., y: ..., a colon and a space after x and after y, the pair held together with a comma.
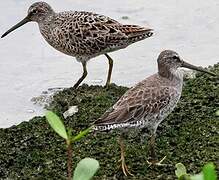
x: 208, y: 173
x: 87, y: 167
x: 217, y: 113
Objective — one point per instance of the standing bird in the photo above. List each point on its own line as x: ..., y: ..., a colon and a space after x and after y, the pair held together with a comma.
x: 83, y: 35
x: 149, y: 102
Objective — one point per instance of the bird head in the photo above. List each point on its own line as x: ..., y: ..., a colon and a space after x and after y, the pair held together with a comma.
x: 37, y: 12
x: 169, y: 61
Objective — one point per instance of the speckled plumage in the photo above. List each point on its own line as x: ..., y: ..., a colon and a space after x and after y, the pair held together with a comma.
x: 150, y: 101
x: 81, y: 34
x: 146, y: 104
x: 142, y: 106
x: 85, y: 35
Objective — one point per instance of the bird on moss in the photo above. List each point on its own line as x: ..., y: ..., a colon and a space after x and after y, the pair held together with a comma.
x: 83, y: 35
x: 148, y: 103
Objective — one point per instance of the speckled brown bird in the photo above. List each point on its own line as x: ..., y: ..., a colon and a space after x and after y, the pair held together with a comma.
x: 149, y: 102
x: 81, y: 34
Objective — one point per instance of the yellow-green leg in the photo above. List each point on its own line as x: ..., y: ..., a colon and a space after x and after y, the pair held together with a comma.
x: 84, y: 64
x: 124, y: 167
x: 151, y: 146
x: 110, y: 61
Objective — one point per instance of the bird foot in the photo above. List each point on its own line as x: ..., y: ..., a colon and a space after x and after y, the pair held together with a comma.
x: 157, y: 163
x: 124, y: 167
x: 75, y: 87
x: 107, y: 85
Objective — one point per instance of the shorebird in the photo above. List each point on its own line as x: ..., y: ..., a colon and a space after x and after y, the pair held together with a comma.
x: 83, y: 35
x: 148, y: 103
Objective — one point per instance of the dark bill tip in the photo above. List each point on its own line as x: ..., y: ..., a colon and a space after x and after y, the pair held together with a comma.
x: 201, y: 69
x: 4, y: 35
x: 21, y: 23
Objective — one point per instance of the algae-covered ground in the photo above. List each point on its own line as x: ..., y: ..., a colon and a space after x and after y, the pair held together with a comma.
x: 189, y: 135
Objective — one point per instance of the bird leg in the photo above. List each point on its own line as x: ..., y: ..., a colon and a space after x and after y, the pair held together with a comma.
x: 110, y: 60
x: 125, y: 170
x: 83, y: 75
x: 152, y: 147
x: 153, y: 160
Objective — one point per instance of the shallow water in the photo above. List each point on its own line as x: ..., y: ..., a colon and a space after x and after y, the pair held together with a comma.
x: 30, y: 66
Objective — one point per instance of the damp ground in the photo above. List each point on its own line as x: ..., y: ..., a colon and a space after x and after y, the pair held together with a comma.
x: 31, y: 150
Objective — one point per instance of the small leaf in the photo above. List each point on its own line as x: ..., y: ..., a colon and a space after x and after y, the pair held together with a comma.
x: 209, y: 172
x: 180, y: 170
x: 81, y: 134
x: 185, y: 177
x: 86, y: 169
x: 217, y: 113
x: 197, y: 177
x: 56, y: 123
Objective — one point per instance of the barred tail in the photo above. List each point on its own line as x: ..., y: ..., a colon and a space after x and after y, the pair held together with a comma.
x: 136, y: 33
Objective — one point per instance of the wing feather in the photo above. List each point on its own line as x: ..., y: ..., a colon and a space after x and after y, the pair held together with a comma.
x: 93, y: 33
x: 135, y: 105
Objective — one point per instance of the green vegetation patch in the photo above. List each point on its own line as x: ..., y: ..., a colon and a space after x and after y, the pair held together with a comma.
x: 189, y: 135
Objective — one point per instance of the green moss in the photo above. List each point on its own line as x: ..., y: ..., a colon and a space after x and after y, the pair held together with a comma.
x: 190, y: 135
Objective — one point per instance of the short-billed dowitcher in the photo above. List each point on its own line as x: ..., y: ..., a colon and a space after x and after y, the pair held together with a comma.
x: 83, y: 35
x: 149, y: 102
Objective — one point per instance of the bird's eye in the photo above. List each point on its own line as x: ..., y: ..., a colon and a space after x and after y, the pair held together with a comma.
x: 175, y: 57
x: 34, y: 11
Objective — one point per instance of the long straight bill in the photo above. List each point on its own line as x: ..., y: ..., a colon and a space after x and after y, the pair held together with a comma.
x: 21, y: 23
x: 190, y: 66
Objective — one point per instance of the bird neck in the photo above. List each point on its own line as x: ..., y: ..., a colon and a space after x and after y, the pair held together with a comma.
x: 174, y: 75
x: 47, y: 19
x: 47, y: 24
